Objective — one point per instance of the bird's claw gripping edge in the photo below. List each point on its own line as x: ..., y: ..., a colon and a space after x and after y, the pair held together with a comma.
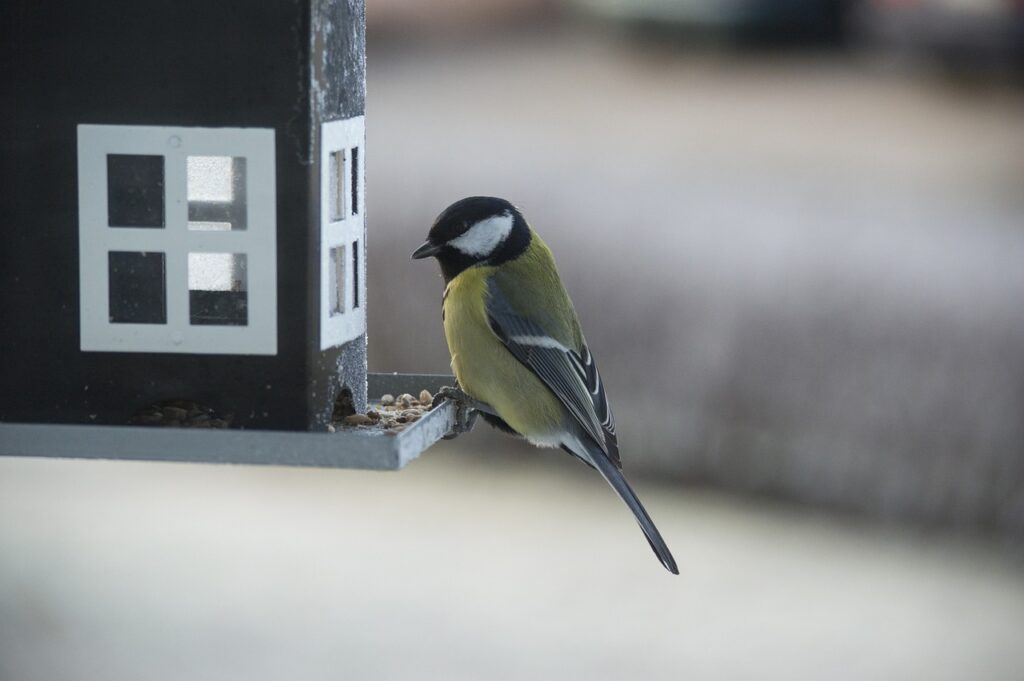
x: 467, y: 409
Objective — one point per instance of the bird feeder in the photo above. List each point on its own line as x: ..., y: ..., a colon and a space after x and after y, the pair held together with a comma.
x: 184, y: 235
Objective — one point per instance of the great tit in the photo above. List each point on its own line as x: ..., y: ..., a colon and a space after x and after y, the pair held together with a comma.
x: 517, y: 350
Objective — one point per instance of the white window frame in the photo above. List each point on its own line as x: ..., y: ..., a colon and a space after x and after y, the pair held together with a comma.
x: 258, y: 241
x: 342, y: 135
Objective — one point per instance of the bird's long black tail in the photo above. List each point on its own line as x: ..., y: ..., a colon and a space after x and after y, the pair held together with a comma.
x: 614, y: 477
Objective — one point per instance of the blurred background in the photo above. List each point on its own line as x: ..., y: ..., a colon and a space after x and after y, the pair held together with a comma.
x: 794, y: 234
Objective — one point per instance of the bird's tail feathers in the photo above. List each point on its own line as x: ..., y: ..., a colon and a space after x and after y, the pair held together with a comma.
x: 611, y: 473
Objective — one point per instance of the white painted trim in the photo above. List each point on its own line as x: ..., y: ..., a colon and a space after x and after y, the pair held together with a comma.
x: 258, y: 241
x: 350, y: 228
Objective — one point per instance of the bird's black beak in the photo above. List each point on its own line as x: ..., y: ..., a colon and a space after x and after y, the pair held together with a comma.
x: 425, y: 251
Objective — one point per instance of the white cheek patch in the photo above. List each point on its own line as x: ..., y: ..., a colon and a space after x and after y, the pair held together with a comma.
x: 484, y: 237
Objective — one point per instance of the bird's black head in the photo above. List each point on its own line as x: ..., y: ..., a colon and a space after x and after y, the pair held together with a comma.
x: 476, y: 230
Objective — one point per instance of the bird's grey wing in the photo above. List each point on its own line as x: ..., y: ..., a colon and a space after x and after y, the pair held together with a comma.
x: 570, y: 374
x: 595, y: 388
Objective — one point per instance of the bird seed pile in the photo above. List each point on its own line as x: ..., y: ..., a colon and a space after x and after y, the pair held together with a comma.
x: 392, y: 414
x: 180, y: 414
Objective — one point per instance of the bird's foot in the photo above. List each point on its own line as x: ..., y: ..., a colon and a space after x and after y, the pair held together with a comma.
x: 466, y: 409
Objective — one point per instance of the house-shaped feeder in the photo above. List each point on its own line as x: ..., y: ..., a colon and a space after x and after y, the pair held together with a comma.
x: 184, y: 235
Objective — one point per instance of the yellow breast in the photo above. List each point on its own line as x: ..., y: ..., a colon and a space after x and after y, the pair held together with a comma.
x: 485, y: 369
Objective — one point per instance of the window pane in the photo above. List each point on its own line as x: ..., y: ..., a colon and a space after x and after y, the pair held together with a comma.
x: 209, y: 178
x: 337, y: 188
x: 355, y: 273
x: 135, y: 190
x: 336, y: 283
x: 216, y: 193
x: 354, y: 181
x: 218, y: 289
x: 137, y: 284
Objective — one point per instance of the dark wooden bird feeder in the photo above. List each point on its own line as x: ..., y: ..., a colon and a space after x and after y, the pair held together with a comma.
x: 184, y: 235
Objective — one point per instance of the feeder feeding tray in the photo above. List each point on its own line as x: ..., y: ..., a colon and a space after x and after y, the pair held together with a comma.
x: 357, y: 447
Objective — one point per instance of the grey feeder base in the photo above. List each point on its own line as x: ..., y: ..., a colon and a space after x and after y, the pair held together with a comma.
x: 347, y: 448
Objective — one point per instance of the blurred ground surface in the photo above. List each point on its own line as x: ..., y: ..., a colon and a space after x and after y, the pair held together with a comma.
x: 800, y: 273
x: 471, y: 568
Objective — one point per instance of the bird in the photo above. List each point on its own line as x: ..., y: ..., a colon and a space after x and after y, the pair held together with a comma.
x: 517, y: 350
